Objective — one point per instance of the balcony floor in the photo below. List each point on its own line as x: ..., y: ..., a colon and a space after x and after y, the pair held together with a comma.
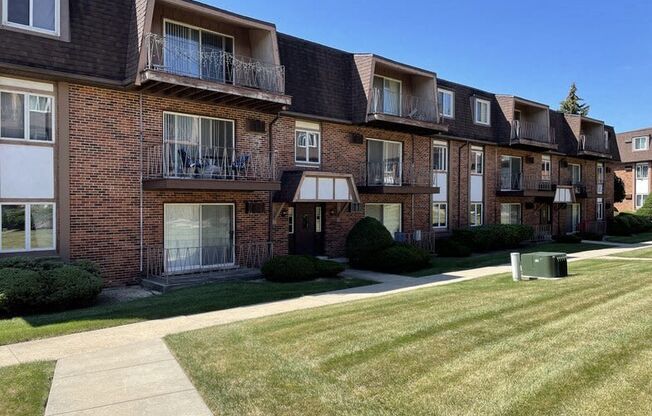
x: 532, y: 144
x: 405, y: 124
x: 181, y: 184
x: 404, y: 189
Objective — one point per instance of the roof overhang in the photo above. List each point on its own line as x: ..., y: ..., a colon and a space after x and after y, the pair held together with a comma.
x: 314, y: 186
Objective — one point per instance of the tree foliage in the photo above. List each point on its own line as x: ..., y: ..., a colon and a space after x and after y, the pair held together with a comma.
x: 619, y: 189
x: 573, y: 104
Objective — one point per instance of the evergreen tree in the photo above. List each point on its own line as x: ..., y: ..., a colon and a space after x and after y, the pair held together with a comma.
x: 573, y: 103
x: 619, y: 189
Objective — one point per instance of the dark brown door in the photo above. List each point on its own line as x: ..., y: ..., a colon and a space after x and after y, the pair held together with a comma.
x: 308, y: 229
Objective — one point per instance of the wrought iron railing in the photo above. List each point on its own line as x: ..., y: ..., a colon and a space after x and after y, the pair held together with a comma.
x: 167, y: 262
x: 180, y: 160
x: 403, y: 105
x: 592, y: 143
x: 520, y: 182
x: 187, y: 58
x: 542, y: 232
x: 529, y: 130
x: 424, y: 240
x: 579, y: 187
x: 595, y: 227
x: 394, y: 173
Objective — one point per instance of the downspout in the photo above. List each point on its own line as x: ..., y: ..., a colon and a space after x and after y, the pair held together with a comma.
x: 270, y: 145
x: 459, y: 176
x: 141, y: 139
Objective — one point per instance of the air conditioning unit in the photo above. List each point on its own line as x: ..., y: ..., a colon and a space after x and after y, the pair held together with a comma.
x: 543, y: 264
x: 356, y: 138
x: 256, y: 126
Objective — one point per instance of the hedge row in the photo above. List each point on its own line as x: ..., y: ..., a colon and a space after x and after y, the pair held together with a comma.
x: 484, y: 238
x: 30, y: 285
x: 625, y: 224
x: 299, y: 268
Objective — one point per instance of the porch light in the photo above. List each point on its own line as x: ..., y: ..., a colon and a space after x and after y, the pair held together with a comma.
x: 564, y: 195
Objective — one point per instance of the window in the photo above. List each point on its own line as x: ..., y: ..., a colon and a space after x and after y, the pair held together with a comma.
x: 606, y: 140
x: 290, y: 220
x: 640, y: 143
x: 307, y: 143
x: 510, y: 213
x: 27, y: 227
x: 386, y: 96
x: 439, y: 215
x: 642, y: 170
x: 600, y: 210
x: 384, y: 162
x: 640, y: 200
x: 576, y: 174
x: 600, y: 177
x: 439, y: 156
x: 26, y: 116
x: 482, y: 112
x: 197, y: 53
x: 575, y: 217
x: 545, y: 168
x: 318, y: 219
x: 37, y: 15
x: 477, y: 161
x: 388, y: 214
x: 510, y: 173
x: 446, y: 103
x: 476, y: 214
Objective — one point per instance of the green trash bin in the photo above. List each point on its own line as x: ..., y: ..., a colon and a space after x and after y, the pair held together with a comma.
x: 544, y: 264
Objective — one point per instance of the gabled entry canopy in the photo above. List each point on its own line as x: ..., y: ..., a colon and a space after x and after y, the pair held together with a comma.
x: 308, y: 186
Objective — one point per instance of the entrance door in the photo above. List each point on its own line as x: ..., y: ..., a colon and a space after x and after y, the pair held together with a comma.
x: 308, y: 229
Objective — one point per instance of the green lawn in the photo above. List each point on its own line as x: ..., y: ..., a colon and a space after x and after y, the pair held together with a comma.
x: 181, y: 302
x: 451, y: 264
x: 643, y: 253
x: 631, y: 239
x: 578, y: 346
x: 24, y: 388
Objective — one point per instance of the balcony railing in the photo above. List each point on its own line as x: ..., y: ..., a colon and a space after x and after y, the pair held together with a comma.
x: 520, y: 182
x: 592, y: 143
x: 579, y: 187
x: 542, y: 232
x: 187, y: 58
x: 595, y: 227
x: 166, y: 262
x: 424, y: 240
x: 394, y: 173
x: 192, y: 161
x: 403, y: 105
x: 528, y: 130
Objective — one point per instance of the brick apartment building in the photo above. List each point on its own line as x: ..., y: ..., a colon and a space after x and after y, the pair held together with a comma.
x: 167, y: 136
x: 634, y: 169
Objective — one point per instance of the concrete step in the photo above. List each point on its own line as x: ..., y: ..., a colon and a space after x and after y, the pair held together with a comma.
x: 164, y: 285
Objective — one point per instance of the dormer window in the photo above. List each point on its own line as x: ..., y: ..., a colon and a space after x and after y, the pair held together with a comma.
x: 37, y: 15
x: 640, y: 143
x: 482, y: 112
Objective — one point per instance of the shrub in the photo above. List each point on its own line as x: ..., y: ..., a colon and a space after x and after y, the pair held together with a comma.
x: 453, y: 248
x: 289, y: 269
x: 567, y: 238
x: 590, y: 236
x: 626, y: 224
x: 493, y: 236
x: 71, y: 287
x: 31, y: 263
x: 400, y: 259
x: 21, y: 290
x: 327, y: 268
x: 365, y: 240
x: 89, y: 266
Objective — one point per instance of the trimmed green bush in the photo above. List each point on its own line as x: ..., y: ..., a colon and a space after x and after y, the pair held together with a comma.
x: 31, y: 263
x: 625, y: 224
x: 453, y: 248
x: 327, y: 268
x: 366, y: 239
x: 567, y: 238
x: 492, y: 237
x: 289, y: 269
x: 401, y: 259
x: 21, y: 290
x: 71, y: 287
x: 89, y: 266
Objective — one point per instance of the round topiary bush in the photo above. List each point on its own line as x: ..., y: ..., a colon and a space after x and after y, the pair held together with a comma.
x: 21, y: 290
x: 401, y: 259
x: 365, y: 240
x: 289, y: 269
x: 71, y: 287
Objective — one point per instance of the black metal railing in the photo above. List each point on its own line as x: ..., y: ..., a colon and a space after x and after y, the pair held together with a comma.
x: 529, y: 130
x: 424, y: 240
x: 391, y: 172
x: 403, y: 105
x: 520, y: 182
x: 592, y: 143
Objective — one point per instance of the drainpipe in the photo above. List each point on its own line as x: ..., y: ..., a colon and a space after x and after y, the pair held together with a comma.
x: 141, y: 139
x: 270, y: 144
x: 459, y: 176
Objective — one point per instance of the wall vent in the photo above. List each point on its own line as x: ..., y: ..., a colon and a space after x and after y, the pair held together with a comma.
x: 256, y: 126
x: 254, y: 207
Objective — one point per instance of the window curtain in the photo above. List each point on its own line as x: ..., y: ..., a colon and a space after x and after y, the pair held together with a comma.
x: 181, y: 55
x: 44, y: 14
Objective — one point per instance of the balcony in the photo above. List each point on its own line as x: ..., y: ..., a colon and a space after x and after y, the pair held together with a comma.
x: 392, y: 177
x: 581, y: 189
x: 533, y: 134
x: 417, y: 114
x: 524, y: 185
x: 186, y: 69
x: 594, y: 145
x: 182, y: 166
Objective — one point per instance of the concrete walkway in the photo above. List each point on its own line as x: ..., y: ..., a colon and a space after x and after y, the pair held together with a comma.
x: 128, y: 370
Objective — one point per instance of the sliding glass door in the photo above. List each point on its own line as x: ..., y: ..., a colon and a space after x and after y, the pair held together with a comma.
x: 198, y: 236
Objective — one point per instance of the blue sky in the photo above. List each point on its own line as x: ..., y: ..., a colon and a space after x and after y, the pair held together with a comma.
x: 531, y: 49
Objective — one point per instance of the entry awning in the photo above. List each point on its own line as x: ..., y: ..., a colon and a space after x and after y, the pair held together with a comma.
x: 312, y: 186
x: 564, y: 195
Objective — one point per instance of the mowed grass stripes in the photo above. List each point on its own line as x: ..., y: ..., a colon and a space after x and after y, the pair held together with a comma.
x: 577, y: 346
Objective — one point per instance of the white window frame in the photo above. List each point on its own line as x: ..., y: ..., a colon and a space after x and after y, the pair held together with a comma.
x: 400, y: 93
x: 28, y: 228
x: 599, y: 215
x: 318, y: 218
x: 307, y: 146
x: 432, y: 209
x: 400, y: 161
x: 26, y: 112
x: 600, y: 177
x: 30, y: 26
x: 451, y: 94
x: 475, y: 219
x: 646, y: 143
x: 444, y: 146
x: 476, y: 113
x: 382, y: 205
x: 477, y: 153
x: 572, y: 166
x: 546, y: 174
x: 643, y: 198
x: 643, y: 167
x: 511, y: 204
x: 290, y: 220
